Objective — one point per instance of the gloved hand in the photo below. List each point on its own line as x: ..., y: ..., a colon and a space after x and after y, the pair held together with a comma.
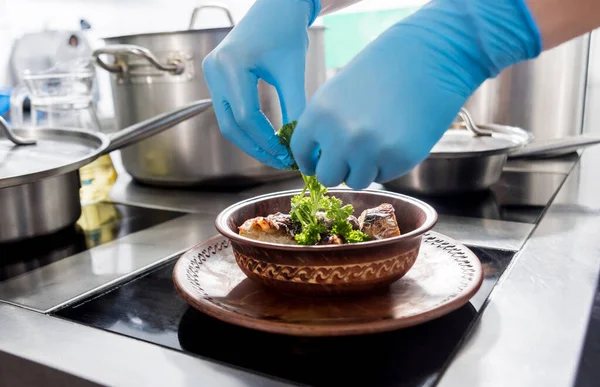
x: 269, y: 43
x: 384, y: 111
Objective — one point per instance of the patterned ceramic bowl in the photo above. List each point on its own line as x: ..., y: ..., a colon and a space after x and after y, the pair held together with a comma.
x: 328, y: 270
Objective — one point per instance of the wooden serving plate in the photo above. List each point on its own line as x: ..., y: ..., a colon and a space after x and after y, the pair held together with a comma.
x: 444, y: 277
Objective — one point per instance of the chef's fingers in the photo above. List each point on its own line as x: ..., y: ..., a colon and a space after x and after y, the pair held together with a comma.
x: 237, y: 136
x: 394, y: 163
x: 289, y: 83
x: 242, y: 94
x: 332, y: 167
x: 363, y: 170
x: 236, y: 88
x: 305, y: 147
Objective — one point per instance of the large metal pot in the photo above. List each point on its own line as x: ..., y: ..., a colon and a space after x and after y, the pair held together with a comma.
x: 152, y: 73
x: 39, y: 179
x: 545, y: 95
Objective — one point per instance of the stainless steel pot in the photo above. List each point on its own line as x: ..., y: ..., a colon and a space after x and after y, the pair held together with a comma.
x: 152, y: 73
x: 468, y: 158
x: 545, y: 95
x: 39, y: 180
x: 464, y: 161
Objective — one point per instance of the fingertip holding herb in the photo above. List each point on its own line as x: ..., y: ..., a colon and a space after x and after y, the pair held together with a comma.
x: 285, y: 136
x: 305, y: 208
x: 316, y: 218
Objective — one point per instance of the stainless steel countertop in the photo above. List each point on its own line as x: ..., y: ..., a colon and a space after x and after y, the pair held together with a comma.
x: 532, y: 330
x: 69, y: 280
x: 530, y: 333
x: 481, y: 232
x: 101, y: 357
x: 95, y: 270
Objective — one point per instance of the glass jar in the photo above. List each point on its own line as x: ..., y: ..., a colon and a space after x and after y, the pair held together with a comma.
x: 62, y: 96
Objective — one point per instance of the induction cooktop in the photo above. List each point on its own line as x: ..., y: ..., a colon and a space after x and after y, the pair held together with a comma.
x: 148, y: 308
x: 99, y: 224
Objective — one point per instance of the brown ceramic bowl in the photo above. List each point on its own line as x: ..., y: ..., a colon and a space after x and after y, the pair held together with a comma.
x: 328, y: 270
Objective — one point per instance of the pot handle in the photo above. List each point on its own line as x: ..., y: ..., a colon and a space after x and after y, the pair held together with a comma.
x: 17, y: 140
x: 174, y: 67
x: 213, y: 5
x: 470, y: 124
x: 155, y: 125
x: 554, y: 147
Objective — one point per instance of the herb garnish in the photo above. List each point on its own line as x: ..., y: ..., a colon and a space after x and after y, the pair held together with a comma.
x: 305, y: 208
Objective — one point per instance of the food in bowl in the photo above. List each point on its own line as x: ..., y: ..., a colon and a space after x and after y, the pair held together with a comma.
x: 316, y: 218
x: 287, y: 240
x: 373, y: 224
x: 326, y: 269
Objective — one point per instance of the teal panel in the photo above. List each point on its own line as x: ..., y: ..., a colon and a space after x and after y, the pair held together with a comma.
x: 348, y: 33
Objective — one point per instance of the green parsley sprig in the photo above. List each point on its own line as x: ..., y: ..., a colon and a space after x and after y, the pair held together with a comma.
x: 305, y: 208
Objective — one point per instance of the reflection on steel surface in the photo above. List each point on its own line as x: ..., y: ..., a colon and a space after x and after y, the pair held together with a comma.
x: 531, y: 332
x: 93, y: 270
x: 105, y: 358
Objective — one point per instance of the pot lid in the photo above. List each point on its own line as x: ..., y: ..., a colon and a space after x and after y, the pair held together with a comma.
x: 29, y: 155
x: 55, y: 151
x: 467, y: 139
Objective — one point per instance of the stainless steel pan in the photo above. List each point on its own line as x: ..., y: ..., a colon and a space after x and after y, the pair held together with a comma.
x: 39, y: 170
x: 554, y: 147
x: 471, y: 157
x: 467, y: 158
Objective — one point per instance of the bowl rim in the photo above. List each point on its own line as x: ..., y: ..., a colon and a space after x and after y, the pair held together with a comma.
x: 223, y: 229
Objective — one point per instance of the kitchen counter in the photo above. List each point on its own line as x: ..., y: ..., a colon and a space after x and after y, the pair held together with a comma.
x: 532, y: 326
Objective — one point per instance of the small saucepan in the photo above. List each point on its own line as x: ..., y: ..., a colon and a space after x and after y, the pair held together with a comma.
x: 39, y: 170
x: 470, y: 158
x: 467, y: 158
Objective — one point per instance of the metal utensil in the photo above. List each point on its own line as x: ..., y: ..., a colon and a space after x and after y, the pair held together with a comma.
x: 39, y: 183
x: 13, y: 137
x: 470, y: 125
x: 154, y: 72
x: 554, y: 147
x: 467, y: 158
x: 220, y: 7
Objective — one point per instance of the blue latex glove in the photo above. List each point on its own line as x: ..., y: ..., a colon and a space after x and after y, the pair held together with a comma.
x: 269, y: 43
x: 382, y: 114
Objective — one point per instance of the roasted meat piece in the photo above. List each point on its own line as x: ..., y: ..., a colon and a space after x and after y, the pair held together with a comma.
x: 275, y: 228
x: 379, y: 222
x: 354, y: 222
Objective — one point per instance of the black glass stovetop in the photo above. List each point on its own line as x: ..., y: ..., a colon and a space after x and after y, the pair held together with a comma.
x: 99, y: 224
x: 148, y: 308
